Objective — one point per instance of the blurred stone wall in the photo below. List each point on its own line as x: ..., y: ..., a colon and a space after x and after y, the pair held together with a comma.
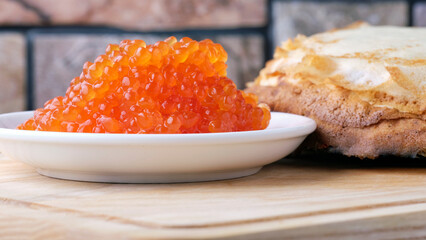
x: 44, y: 43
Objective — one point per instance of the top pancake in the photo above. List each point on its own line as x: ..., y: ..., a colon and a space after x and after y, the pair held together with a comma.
x: 382, y: 65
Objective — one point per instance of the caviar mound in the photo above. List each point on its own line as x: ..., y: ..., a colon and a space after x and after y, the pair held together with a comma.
x: 168, y: 87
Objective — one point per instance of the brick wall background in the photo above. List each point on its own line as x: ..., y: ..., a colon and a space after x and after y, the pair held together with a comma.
x: 44, y: 43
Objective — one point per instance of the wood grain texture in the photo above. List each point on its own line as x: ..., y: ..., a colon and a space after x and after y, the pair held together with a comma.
x: 295, y: 199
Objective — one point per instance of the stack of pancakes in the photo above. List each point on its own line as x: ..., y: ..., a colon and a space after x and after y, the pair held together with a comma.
x: 364, y: 86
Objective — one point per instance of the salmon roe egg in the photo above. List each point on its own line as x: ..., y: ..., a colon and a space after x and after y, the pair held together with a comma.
x: 167, y: 87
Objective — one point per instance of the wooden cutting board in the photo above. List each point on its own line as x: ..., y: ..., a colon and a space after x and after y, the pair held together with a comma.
x: 291, y: 199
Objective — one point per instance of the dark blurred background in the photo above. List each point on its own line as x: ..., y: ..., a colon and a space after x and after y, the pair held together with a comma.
x: 44, y: 43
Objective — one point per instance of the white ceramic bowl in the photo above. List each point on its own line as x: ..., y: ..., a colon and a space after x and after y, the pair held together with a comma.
x: 152, y: 158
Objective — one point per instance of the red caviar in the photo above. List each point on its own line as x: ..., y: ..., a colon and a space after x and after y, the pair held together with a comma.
x: 168, y: 87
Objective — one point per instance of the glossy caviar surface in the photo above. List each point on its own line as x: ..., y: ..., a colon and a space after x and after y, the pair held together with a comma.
x: 168, y: 87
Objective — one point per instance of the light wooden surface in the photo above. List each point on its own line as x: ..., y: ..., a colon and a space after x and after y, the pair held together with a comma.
x: 292, y: 199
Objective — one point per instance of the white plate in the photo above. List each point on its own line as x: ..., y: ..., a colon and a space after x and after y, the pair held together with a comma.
x: 152, y: 158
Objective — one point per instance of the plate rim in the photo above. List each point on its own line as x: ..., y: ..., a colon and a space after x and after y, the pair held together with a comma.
x: 154, y: 139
